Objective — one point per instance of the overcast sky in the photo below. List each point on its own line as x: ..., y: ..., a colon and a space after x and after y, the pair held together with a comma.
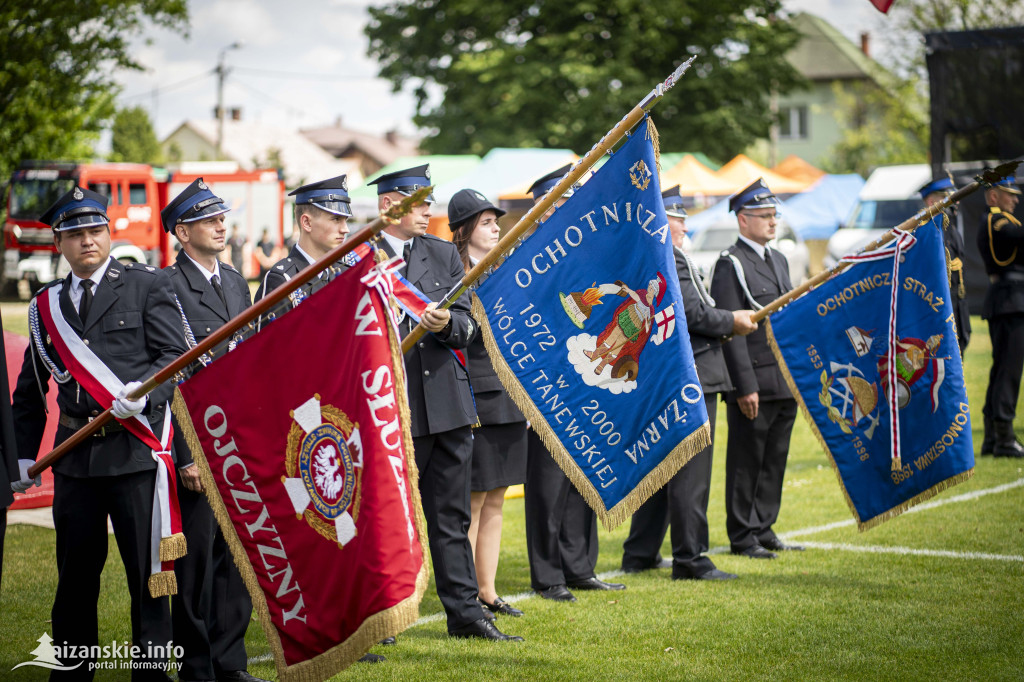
x: 303, y: 63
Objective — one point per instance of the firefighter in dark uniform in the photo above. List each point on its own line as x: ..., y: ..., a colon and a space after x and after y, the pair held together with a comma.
x: 322, y: 210
x: 124, y: 314
x: 760, y: 410
x: 1001, y: 242
x: 683, y: 502
x: 932, y: 193
x: 561, y: 528
x: 440, y: 402
x: 211, y: 611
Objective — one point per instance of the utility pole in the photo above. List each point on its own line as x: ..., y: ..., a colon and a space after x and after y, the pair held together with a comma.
x: 222, y: 73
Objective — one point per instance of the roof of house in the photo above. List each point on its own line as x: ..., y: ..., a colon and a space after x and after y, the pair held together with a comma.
x: 250, y: 144
x: 383, y: 149
x: 825, y: 54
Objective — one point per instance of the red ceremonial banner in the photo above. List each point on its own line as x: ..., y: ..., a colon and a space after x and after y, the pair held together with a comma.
x: 882, y: 5
x: 301, y: 434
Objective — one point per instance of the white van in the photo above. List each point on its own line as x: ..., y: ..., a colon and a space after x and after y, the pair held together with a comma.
x: 889, y: 197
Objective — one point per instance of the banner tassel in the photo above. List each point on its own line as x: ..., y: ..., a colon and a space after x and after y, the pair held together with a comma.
x: 163, y: 584
x: 173, y: 547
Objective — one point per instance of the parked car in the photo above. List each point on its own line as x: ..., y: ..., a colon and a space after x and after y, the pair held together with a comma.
x: 709, y: 243
x: 889, y: 197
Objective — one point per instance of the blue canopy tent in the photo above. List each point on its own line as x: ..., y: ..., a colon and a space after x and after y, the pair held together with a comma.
x: 818, y: 212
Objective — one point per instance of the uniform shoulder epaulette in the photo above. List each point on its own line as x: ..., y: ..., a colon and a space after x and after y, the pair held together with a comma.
x: 139, y: 267
x: 47, y: 286
x: 434, y: 237
x: 228, y: 266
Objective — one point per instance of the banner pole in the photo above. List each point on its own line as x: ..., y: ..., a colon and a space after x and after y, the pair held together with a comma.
x: 243, y: 318
x: 988, y: 177
x: 527, y: 222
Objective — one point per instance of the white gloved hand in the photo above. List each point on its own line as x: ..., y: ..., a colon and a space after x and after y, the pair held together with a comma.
x: 25, y: 483
x: 124, y: 408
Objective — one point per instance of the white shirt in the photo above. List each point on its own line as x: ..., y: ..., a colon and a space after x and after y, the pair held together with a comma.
x: 759, y: 249
x: 76, y: 291
x: 396, y: 244
x: 206, y: 273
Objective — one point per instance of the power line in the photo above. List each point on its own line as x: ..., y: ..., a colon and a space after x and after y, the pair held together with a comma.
x: 300, y: 75
x: 172, y: 86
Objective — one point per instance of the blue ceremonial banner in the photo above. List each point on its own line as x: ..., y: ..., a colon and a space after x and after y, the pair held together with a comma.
x: 836, y: 346
x: 584, y: 324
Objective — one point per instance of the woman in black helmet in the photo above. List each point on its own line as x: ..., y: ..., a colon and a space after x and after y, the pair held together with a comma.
x: 499, y: 438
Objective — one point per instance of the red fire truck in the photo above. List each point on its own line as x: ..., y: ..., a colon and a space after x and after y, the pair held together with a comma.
x: 137, y: 193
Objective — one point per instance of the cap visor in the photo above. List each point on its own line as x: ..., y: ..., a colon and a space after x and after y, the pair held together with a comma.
x: 341, y: 208
x: 205, y: 212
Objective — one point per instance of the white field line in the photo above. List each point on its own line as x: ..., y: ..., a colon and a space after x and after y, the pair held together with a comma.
x: 966, y: 497
x: 946, y: 554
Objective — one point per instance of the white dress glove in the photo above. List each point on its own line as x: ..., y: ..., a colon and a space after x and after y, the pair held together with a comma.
x: 124, y: 408
x: 25, y: 483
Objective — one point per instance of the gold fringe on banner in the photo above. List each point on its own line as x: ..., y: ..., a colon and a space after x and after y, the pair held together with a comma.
x: 862, y: 524
x: 375, y: 628
x: 173, y: 547
x: 658, y: 477
x: 652, y: 135
x: 163, y: 584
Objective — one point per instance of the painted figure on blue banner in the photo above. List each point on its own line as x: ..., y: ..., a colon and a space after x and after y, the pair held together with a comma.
x: 561, y: 530
x: 1001, y: 242
x: 440, y: 402
x: 211, y: 611
x: 499, y: 437
x: 760, y: 410
x: 932, y: 193
x: 624, y: 337
x: 683, y: 502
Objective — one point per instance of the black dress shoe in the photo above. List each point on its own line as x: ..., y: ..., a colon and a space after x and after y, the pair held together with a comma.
x: 557, y: 593
x: 501, y: 606
x: 715, y: 574
x: 483, y: 629
x: 777, y: 545
x: 483, y: 610
x: 372, y: 658
x: 595, y: 584
x: 388, y: 641
x: 238, y: 676
x: 755, y: 552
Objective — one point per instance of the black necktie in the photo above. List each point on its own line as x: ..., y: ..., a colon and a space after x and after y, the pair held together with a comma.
x: 406, y: 252
x: 86, y: 302
x: 215, y: 281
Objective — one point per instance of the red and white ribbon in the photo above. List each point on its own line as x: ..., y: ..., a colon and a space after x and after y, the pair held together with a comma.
x: 103, y: 385
x: 904, y: 241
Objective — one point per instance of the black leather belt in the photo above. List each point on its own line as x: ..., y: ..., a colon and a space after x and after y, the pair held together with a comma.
x: 1006, y: 277
x: 76, y: 423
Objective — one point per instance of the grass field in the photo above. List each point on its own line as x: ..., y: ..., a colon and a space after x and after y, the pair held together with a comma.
x: 932, y: 595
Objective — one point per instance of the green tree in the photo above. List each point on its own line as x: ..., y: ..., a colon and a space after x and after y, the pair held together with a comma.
x: 881, y: 127
x: 560, y: 74
x: 133, y: 139
x: 57, y: 60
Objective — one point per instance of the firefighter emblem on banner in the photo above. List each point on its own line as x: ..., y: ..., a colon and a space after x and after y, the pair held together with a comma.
x: 324, y: 466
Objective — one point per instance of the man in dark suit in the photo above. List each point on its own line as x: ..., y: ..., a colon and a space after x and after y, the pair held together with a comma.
x: 126, y: 316
x: 1001, y: 242
x: 561, y: 528
x: 211, y: 611
x: 760, y: 411
x: 440, y: 402
x: 683, y: 502
x: 932, y: 193
x: 322, y: 210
